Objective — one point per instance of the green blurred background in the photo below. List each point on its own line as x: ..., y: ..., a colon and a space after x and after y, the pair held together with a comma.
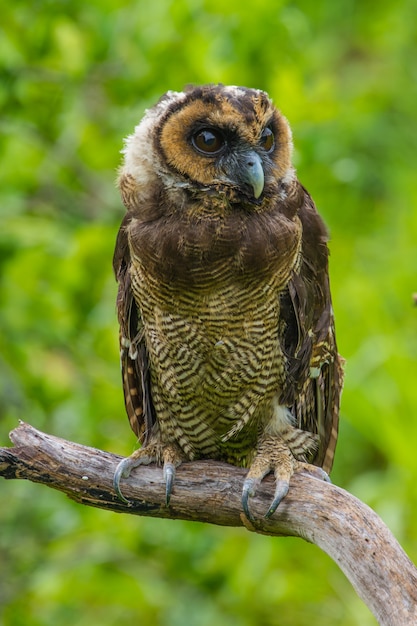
x: 75, y: 78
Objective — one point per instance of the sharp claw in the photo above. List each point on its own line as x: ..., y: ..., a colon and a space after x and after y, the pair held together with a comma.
x: 249, y: 488
x: 316, y: 472
x: 325, y: 476
x: 169, y: 477
x: 122, y: 471
x: 281, y: 490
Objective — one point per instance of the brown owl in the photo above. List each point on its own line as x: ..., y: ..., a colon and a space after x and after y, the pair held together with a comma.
x: 226, y: 326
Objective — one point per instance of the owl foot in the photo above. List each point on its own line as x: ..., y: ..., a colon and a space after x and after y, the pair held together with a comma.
x: 275, y: 455
x: 171, y: 457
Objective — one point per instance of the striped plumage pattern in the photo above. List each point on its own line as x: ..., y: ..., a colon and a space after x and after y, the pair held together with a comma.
x: 216, y: 366
x: 227, y: 334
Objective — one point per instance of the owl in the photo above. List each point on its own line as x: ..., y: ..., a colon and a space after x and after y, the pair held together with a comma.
x: 227, y: 340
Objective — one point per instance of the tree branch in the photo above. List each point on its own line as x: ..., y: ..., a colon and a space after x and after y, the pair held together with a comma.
x: 206, y: 491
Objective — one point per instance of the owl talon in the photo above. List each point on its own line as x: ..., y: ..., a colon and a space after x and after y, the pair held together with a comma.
x: 281, y: 490
x: 169, y: 477
x: 144, y: 456
x: 249, y: 489
x: 122, y: 471
x: 316, y: 472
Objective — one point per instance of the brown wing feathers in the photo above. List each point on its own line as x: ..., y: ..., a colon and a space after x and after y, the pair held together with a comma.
x: 133, y: 356
x: 314, y: 375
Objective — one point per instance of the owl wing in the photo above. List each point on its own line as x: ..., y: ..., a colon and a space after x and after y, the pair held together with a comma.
x: 314, y: 368
x: 133, y: 353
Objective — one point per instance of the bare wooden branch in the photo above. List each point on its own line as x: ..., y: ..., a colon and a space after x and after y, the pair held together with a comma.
x: 206, y: 491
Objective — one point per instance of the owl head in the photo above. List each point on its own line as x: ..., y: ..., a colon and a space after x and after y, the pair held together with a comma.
x: 226, y: 143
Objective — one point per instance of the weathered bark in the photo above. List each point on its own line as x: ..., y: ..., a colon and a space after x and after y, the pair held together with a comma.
x: 206, y: 491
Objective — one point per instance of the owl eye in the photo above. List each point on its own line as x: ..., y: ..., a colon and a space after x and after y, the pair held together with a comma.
x: 267, y: 139
x: 208, y: 140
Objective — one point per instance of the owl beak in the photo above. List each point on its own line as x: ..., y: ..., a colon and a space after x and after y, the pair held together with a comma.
x: 245, y: 169
x: 252, y: 172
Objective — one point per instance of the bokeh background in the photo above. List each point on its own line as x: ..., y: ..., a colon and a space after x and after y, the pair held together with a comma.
x: 75, y: 78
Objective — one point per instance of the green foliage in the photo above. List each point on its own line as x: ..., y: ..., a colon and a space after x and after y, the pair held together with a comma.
x: 75, y: 79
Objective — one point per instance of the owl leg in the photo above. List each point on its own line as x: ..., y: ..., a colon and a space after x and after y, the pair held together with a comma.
x: 279, y: 455
x: 170, y: 455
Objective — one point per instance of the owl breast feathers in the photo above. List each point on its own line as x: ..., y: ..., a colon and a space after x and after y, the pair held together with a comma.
x: 226, y: 326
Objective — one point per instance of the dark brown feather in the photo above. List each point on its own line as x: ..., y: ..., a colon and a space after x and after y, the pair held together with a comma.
x: 314, y: 374
x: 133, y: 354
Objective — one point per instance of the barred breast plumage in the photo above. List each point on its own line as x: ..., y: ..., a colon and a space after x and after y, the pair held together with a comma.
x: 227, y: 335
x: 216, y: 364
